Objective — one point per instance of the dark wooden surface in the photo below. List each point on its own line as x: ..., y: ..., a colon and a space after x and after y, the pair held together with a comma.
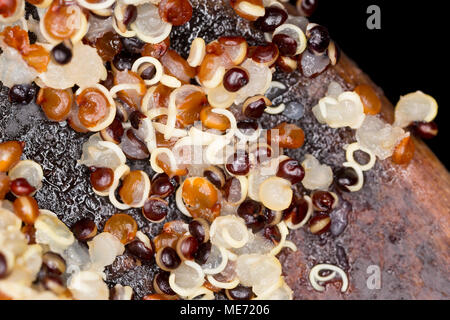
x: 399, y: 221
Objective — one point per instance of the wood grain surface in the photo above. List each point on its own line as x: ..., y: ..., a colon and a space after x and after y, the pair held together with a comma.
x: 399, y: 221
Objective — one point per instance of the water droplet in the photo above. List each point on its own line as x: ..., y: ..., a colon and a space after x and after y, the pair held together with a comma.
x: 294, y: 110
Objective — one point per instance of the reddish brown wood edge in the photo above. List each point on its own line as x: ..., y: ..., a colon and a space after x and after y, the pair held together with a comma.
x: 399, y: 222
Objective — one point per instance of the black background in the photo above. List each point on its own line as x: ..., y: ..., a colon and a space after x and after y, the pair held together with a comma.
x: 409, y: 53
